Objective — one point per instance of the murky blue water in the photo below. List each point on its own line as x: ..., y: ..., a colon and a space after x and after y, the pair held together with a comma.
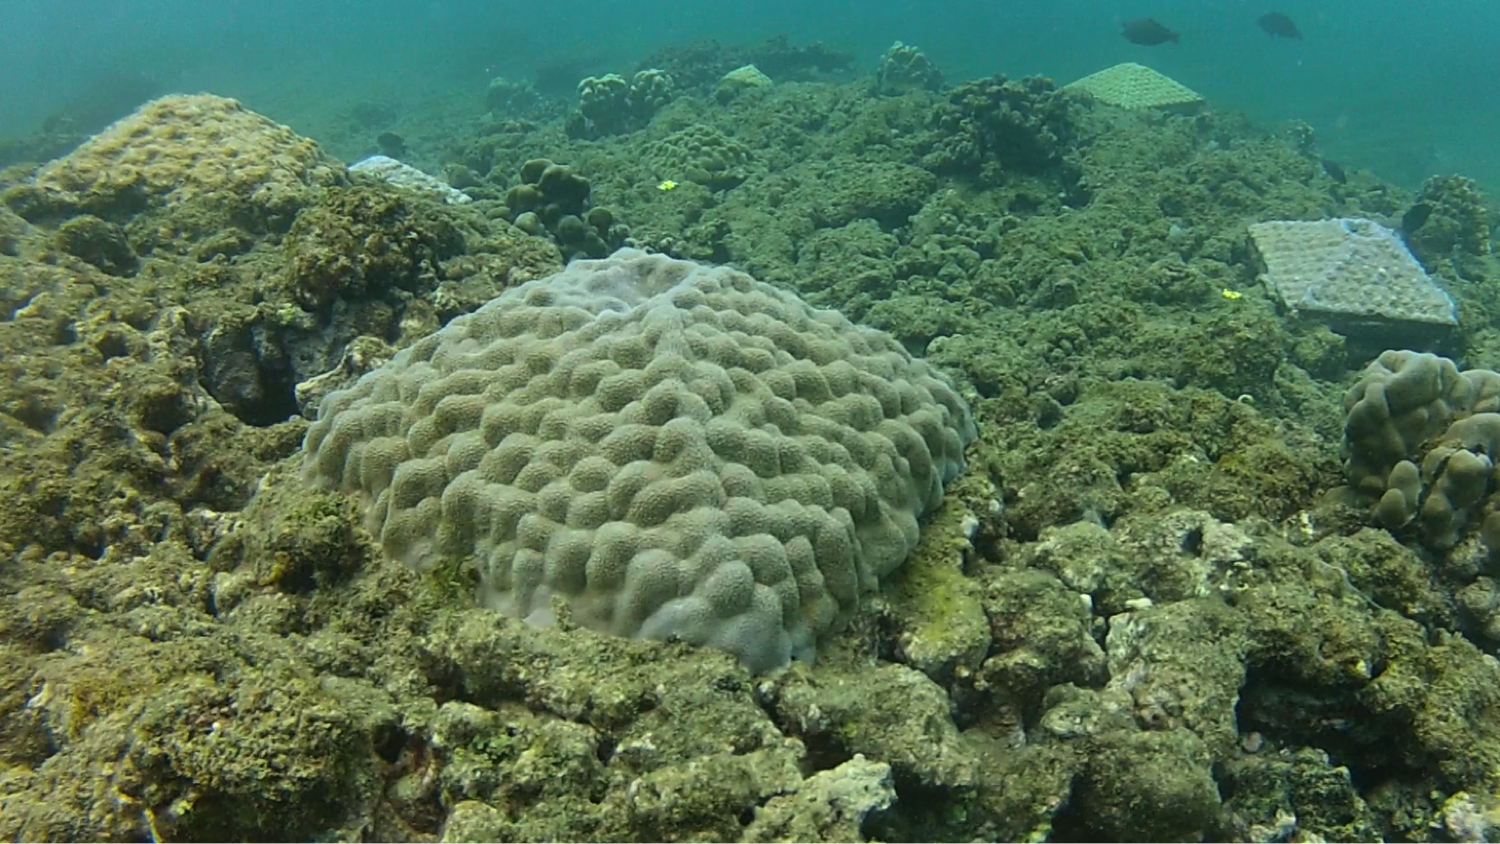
x: 1402, y: 88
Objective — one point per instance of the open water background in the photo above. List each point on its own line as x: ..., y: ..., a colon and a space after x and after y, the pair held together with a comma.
x: 1401, y: 88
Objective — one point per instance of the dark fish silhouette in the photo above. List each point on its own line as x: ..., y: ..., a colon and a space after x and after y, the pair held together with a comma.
x: 1415, y: 217
x: 1147, y: 32
x: 1334, y: 171
x: 1278, y: 25
x: 391, y: 145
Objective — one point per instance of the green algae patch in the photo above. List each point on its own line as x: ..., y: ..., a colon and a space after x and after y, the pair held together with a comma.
x: 943, y: 629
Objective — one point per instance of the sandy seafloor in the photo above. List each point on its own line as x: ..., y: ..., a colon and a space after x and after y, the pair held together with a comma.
x: 1185, y: 588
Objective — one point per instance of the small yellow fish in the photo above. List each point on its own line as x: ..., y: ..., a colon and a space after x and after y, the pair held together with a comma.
x: 667, y: 184
x: 1231, y: 294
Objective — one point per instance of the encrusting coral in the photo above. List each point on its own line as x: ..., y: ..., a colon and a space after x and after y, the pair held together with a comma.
x: 676, y: 450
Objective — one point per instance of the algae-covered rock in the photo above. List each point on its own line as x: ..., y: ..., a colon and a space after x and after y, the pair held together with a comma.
x: 197, y: 150
x: 892, y: 713
x: 943, y: 629
x: 827, y: 806
x: 274, y: 752
x: 1193, y: 448
x: 1169, y: 793
x: 1181, y: 665
x: 1312, y: 653
x: 1289, y: 794
x: 511, y: 759
x: 98, y: 242
x: 1043, y: 635
x: 889, y: 194
x: 659, y: 746
x: 1186, y: 554
x: 1022, y: 125
x: 13, y: 229
x: 1391, y: 574
x: 360, y: 243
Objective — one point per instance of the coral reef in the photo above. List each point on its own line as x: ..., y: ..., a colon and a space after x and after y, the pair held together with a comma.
x: 1157, y: 603
x: 610, y: 104
x: 905, y: 68
x: 1454, y: 219
x: 512, y: 99
x: 650, y: 89
x: 701, y: 64
x: 200, y: 190
x: 1021, y: 125
x: 700, y: 154
x: 553, y: 199
x: 604, y: 103
x: 184, y: 151
x: 604, y: 435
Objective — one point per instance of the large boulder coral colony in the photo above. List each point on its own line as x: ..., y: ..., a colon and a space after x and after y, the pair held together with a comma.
x: 677, y: 450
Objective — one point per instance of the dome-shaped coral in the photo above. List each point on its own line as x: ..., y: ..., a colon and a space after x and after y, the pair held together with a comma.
x: 676, y: 450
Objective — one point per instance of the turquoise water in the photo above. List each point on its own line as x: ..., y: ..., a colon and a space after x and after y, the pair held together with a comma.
x: 1403, y: 89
